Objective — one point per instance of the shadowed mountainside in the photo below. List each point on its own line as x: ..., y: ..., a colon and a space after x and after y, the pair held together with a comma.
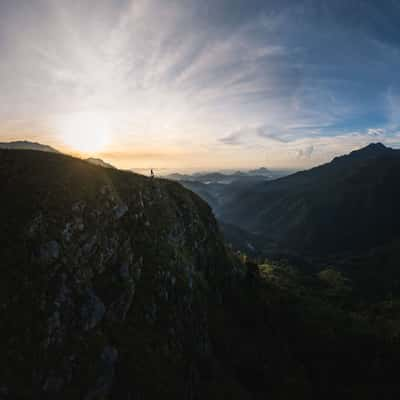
x: 115, y: 286
x: 100, y: 268
x: 349, y: 204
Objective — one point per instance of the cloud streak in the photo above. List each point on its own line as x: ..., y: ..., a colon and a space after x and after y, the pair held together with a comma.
x: 215, y: 78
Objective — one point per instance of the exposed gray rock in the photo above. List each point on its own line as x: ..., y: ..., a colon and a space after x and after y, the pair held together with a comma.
x: 90, y: 246
x: 53, y: 384
x: 79, y: 207
x: 49, y: 252
x: 118, y: 310
x: 120, y: 210
x: 67, y: 232
x: 35, y: 225
x: 124, y: 272
x: 106, y: 372
x: 92, y: 311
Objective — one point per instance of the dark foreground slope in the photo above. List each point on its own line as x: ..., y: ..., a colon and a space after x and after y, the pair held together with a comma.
x: 350, y: 204
x: 116, y: 286
x: 106, y: 280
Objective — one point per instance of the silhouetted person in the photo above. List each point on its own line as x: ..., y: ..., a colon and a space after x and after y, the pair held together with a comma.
x: 151, y: 173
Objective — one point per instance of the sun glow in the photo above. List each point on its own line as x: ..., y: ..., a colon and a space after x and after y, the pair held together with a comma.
x: 86, y: 132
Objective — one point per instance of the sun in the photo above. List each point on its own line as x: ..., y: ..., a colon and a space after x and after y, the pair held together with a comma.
x: 86, y: 132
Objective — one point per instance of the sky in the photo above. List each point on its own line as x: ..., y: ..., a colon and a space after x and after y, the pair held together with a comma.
x: 201, y: 84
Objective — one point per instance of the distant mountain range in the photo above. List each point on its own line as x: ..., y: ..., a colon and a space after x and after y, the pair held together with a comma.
x: 25, y: 145
x: 349, y: 204
x: 260, y: 174
x: 218, y: 188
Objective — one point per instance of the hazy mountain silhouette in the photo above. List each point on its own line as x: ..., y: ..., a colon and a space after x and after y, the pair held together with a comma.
x: 348, y: 204
x: 26, y: 145
x: 99, y: 162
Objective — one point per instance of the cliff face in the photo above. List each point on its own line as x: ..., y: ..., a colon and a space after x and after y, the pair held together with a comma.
x: 107, y: 279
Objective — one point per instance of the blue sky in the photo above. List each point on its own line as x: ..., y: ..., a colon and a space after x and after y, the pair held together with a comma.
x: 201, y: 84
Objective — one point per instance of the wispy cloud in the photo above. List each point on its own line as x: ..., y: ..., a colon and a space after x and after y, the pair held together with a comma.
x: 305, y: 152
x: 258, y: 81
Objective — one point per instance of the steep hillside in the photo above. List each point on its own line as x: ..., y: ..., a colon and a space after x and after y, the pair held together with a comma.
x: 106, y: 277
x: 349, y: 204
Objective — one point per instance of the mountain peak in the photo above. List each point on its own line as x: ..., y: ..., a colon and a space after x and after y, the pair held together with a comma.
x: 377, y: 145
x: 373, y: 148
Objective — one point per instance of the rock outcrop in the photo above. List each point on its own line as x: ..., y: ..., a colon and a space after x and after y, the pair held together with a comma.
x: 107, y: 279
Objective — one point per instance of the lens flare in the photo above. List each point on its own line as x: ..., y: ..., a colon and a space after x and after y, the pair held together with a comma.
x: 86, y: 132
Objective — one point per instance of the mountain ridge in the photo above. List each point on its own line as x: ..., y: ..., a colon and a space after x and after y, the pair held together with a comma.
x: 27, y: 145
x: 309, y: 209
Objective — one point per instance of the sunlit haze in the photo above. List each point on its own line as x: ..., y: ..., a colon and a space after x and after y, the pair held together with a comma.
x: 200, y: 84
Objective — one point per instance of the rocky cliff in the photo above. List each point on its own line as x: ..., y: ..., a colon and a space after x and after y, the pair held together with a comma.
x: 107, y: 279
